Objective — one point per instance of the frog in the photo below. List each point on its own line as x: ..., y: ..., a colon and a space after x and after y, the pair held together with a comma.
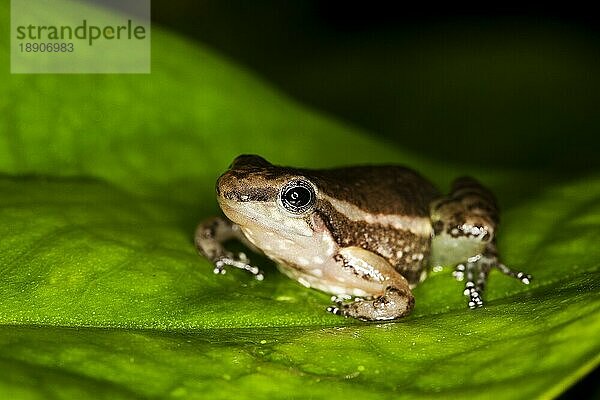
x: 366, y: 234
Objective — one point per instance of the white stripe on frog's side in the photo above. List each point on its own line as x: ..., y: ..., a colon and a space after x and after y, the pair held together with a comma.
x: 418, y: 225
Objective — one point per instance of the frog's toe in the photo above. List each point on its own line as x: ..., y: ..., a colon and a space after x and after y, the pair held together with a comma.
x: 474, y: 296
x: 336, y: 310
x: 339, y: 299
x: 522, y: 276
x: 240, y: 262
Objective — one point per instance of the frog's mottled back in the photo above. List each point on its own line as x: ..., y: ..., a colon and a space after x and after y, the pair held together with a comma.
x: 381, y: 189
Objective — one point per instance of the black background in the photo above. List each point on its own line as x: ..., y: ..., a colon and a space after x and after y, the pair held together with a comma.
x: 451, y: 82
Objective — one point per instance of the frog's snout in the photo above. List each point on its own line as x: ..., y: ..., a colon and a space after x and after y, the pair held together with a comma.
x: 227, y: 186
x: 250, y: 178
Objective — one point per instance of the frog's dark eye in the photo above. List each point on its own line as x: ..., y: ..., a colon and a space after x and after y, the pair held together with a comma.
x: 298, y: 196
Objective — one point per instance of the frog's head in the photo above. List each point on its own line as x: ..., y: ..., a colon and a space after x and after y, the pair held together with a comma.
x: 256, y: 194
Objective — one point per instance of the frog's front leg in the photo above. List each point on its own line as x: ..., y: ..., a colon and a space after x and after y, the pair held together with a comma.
x: 390, y: 296
x: 210, y: 236
x: 464, y: 226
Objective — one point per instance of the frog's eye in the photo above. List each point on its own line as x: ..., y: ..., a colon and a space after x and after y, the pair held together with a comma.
x: 298, y: 196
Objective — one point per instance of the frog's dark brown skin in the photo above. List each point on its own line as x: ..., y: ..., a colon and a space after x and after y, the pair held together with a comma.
x: 367, y: 232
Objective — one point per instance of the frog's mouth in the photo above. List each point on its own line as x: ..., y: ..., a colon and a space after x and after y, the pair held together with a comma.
x: 266, y: 216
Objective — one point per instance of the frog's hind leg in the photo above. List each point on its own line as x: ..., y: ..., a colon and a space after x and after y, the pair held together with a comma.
x: 464, y: 225
x: 387, y: 293
x: 475, y: 272
x: 393, y: 303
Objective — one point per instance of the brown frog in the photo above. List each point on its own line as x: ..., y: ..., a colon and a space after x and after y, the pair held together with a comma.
x: 365, y: 234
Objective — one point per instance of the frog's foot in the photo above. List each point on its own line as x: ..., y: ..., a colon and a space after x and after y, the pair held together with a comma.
x: 475, y: 272
x: 240, y: 261
x: 209, y: 239
x: 394, y: 303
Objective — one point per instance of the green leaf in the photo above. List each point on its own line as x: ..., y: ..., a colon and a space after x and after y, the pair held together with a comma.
x: 102, y: 294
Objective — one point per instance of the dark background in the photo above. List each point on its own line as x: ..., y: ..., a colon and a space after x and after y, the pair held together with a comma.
x: 445, y: 81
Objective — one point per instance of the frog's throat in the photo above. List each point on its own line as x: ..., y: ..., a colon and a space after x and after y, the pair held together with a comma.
x: 265, y: 215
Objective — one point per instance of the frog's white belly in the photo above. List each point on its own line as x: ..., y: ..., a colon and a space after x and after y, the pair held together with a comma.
x: 311, y: 261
